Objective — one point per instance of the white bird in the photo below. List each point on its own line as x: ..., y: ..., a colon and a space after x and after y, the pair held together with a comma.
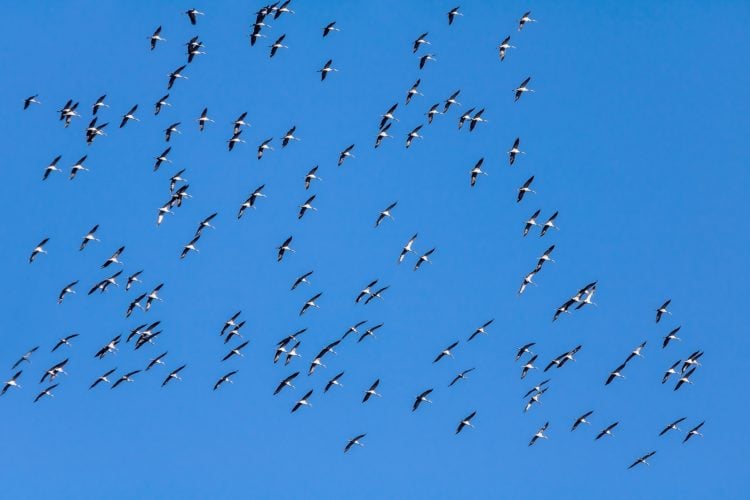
x: 354, y: 441
x: 327, y: 68
x: 329, y: 28
x: 156, y: 37
x: 413, y: 91
x: 425, y: 257
x: 476, y: 171
x: 663, y: 310
x: 642, y: 460
x: 670, y: 371
x: 192, y: 15
x: 477, y: 118
x: 448, y: 351
x: 503, y: 47
x: 526, y: 18
x: 695, y: 431
x: 264, y: 146
x: 311, y: 176
x: 382, y: 135
x: 307, y: 205
x: 673, y: 426
x: 408, y: 248
x: 371, y: 391
x: 78, y: 167
x: 203, y: 119
x: 414, y: 134
x: 225, y: 378
x: 539, y: 434
x: 130, y: 115
x: 523, y: 88
x: 466, y: 422
x: 514, y: 151
x: 550, y: 223
x: 347, y: 153
x: 160, y: 103
x: 427, y: 57
x: 525, y: 189
x: 52, y: 167
x: 531, y: 222
x: 39, y: 248
x: 421, y: 39
x: 289, y: 136
x: 190, y: 246
x: 527, y: 281
x: 582, y: 420
x: 481, y: 330
x: 388, y: 115
x: 304, y: 401
x: 452, y: 14
x: 68, y: 289
x: 528, y: 366
x: 421, y: 398
x: 13, y: 382
x: 30, y: 100
x: 385, y: 213
x: 671, y: 336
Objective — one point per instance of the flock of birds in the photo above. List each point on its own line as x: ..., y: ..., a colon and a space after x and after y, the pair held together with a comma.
x: 288, y: 347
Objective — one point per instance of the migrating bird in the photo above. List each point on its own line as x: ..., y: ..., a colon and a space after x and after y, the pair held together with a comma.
x: 225, y: 378
x: 162, y: 158
x: 684, y: 379
x: 413, y: 91
x: 636, y: 352
x: 130, y: 115
x: 448, y: 102
x: 642, y: 460
x: 236, y: 351
x: 464, y: 117
x: 317, y: 361
x: 329, y: 28
x: 46, y: 392
x: 25, y: 358
x: 670, y: 371
x: 353, y: 329
x: 414, y: 134
x: 99, y: 104
x: 377, y: 294
x: 388, y: 116
x: 250, y: 201
x: 537, y: 388
x: 307, y: 205
x: 205, y: 223
x: 371, y: 391
x: 476, y: 171
x: 407, y: 248
x: 303, y: 401
x: 128, y: 377
x: 327, y: 68
x: 446, y: 352
x: 531, y: 222
x: 111, y: 346
x: 480, y: 330
x: 346, y: 154
x: 526, y: 18
x: 156, y: 37
x: 158, y: 359
x: 427, y: 57
x: 525, y: 189
x: 64, y: 341
x: 382, y: 135
x: 52, y: 167
x: 355, y: 440
x: 114, y: 259
x: 190, y: 246
x: 38, y: 249
x: 616, y: 373
x: 230, y: 322
x: 503, y: 47
x: 535, y: 398
x: 528, y: 366
x: 132, y: 279
x: 289, y: 136
x: 192, y: 15
x: 672, y: 426
x: 550, y: 223
x: 287, y: 382
x: 311, y: 176
x: 105, y: 283
x: 582, y: 420
x: 385, y: 213
x: 263, y: 146
x: 310, y: 303
x: 607, y: 431
x: 691, y: 360
x: 477, y: 118
x: 302, y: 279
x: 421, y: 398
x: 174, y: 75
x: 452, y: 14
x: 466, y: 422
x: 421, y: 39
x: 460, y: 376
x: 527, y: 280
x: 30, y: 100
x: 334, y: 381
x: 514, y: 150
x: 77, y: 167
x: 13, y: 382
x: 102, y: 378
x: 539, y: 434
x: 283, y: 248
x: 663, y: 310
x: 174, y: 375
x: 161, y: 102
x: 278, y: 45
x: 203, y: 119
x: 425, y: 257
x: 172, y: 129
x: 695, y: 431
x: 671, y: 336
x: 525, y: 349
x: 523, y: 88
x: 66, y: 290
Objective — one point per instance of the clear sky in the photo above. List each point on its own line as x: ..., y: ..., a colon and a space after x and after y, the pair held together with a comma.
x: 636, y: 134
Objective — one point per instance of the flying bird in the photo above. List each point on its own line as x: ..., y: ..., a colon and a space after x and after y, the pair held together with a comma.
x: 354, y: 441
x: 480, y: 330
x: 421, y: 398
x: 173, y: 375
x: 525, y: 189
x: 460, y: 376
x: 421, y: 39
x: 672, y: 426
x: 514, y: 151
x: 371, y: 391
x: 38, y: 249
x: 642, y: 460
x: 64, y: 341
x: 346, y: 154
x: 503, y: 47
x: 616, y: 373
x: 522, y: 89
x: 303, y: 401
x: 327, y: 68
x: 425, y: 257
x: 386, y: 213
x: 287, y: 382
x: 284, y: 247
x: 102, y: 378
x: 407, y: 248
x: 66, y: 290
x: 130, y: 115
x: 30, y: 100
x: 607, y: 431
x: 334, y: 381
x: 13, y: 382
x: 310, y: 303
x: 526, y: 18
x: 311, y: 176
x: 307, y: 205
x: 539, y: 434
x: 452, y: 14
x: 695, y: 431
x: 193, y: 15
x: 476, y: 171
x: 329, y: 28
x: 446, y: 352
x: 225, y: 378
x: 466, y: 422
x: 236, y: 351
x: 156, y: 37
x: 413, y: 91
x: 423, y: 60
x: 302, y: 279
x: 672, y: 335
x: 582, y: 420
x: 128, y: 377
x: 663, y: 310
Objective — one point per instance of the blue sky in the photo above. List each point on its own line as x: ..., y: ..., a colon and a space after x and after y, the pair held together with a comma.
x: 636, y: 134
